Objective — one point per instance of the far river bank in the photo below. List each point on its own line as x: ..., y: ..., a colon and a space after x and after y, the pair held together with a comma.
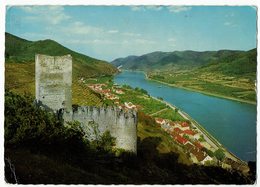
x: 199, y: 91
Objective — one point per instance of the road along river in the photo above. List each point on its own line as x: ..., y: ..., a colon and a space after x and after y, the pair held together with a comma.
x: 232, y: 123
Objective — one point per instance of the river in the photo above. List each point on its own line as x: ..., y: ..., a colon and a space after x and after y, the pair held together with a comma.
x: 232, y: 123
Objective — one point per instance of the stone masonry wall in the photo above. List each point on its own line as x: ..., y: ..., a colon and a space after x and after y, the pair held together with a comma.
x: 53, y: 77
x: 121, y: 124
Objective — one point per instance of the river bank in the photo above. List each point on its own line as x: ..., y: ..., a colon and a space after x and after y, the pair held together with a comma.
x: 199, y: 91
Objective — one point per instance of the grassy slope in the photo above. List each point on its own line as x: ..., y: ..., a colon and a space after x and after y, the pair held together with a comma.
x: 20, y: 67
x: 23, y: 51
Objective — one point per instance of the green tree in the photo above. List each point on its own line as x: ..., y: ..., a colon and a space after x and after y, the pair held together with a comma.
x: 176, y: 110
x: 105, y: 143
x: 160, y: 98
x: 219, y: 154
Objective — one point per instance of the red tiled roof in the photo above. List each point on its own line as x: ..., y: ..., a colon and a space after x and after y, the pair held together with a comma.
x: 189, y: 132
x: 200, y: 155
x: 189, y: 146
x: 184, y: 124
x: 198, y: 145
x: 180, y: 139
x: 106, y: 91
x: 177, y: 130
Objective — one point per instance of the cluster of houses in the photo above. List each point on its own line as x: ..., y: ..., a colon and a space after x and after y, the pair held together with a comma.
x: 112, y: 94
x: 188, y: 137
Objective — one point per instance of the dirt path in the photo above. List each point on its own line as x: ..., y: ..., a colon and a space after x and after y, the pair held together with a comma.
x: 158, y: 112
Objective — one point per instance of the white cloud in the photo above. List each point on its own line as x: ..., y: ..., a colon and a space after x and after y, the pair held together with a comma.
x: 112, y: 31
x: 227, y: 23
x: 230, y: 24
x: 144, y: 41
x: 80, y: 28
x: 144, y: 8
x: 137, y: 8
x: 28, y: 9
x: 155, y: 8
x: 50, y: 14
x: 230, y: 14
x: 130, y: 34
x: 178, y: 9
x: 90, y: 42
x: 171, y: 40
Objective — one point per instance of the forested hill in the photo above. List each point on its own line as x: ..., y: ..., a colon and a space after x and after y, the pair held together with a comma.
x: 229, y: 61
x: 242, y: 63
x: 19, y: 50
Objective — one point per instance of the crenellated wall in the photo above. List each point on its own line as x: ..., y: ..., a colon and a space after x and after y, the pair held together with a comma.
x: 96, y: 120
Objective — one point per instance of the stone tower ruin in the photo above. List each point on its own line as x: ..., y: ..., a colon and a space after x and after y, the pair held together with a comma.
x: 53, y: 76
x: 53, y: 81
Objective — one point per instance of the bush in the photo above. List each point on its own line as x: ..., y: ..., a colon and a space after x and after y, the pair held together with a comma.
x: 141, y: 90
x: 219, y: 154
x: 105, y: 143
x: 160, y: 98
x: 145, y: 119
x: 27, y: 124
x: 209, y: 152
x: 127, y: 86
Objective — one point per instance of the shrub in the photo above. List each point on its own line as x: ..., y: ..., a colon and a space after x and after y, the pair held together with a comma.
x: 145, y: 119
x: 27, y: 124
x: 219, y: 154
x: 105, y: 143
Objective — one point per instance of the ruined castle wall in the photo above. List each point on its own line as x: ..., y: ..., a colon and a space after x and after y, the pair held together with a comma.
x: 96, y: 120
x: 53, y: 77
x: 125, y: 129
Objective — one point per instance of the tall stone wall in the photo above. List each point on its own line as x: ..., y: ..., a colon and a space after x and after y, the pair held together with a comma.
x: 96, y: 120
x: 53, y: 77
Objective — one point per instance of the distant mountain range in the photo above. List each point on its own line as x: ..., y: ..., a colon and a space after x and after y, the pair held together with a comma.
x: 229, y: 61
x: 19, y: 50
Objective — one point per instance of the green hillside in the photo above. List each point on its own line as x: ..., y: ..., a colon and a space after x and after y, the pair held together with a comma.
x: 173, y: 60
x: 243, y: 63
x: 23, y: 51
x: 20, y: 68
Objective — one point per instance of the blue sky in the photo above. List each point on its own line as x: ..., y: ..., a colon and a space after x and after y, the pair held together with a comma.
x: 109, y: 32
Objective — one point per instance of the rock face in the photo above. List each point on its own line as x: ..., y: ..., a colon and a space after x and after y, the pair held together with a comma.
x: 53, y: 77
x: 53, y: 90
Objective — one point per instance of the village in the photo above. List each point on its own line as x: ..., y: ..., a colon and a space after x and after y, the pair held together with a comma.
x: 190, y: 139
x: 110, y: 94
x: 185, y: 134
